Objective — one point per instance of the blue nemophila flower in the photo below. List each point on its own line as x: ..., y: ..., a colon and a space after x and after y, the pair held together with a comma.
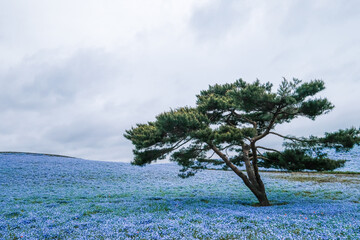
x: 45, y: 197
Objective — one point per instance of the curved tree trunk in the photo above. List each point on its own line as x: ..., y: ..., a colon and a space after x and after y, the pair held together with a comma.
x: 254, y: 183
x: 257, y: 186
x: 262, y: 198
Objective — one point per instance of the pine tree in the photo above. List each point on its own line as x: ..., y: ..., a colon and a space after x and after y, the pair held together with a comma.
x: 229, y: 120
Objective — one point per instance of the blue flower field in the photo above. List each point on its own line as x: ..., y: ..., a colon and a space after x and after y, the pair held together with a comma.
x: 51, y: 197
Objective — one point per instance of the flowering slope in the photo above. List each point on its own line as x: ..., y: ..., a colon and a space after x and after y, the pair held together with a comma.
x: 49, y: 197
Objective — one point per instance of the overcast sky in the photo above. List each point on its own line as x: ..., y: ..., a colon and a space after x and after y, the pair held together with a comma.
x: 75, y: 74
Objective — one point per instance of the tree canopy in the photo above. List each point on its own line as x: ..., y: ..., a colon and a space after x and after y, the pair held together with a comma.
x: 229, y: 120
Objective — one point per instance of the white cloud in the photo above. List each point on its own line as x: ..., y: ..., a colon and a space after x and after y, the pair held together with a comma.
x: 75, y: 75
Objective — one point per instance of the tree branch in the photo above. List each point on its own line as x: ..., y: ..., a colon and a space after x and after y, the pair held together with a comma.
x: 262, y: 157
x: 265, y: 158
x: 228, y: 120
x: 224, y: 148
x: 291, y: 138
x: 177, y: 145
x: 245, y: 118
x: 269, y: 149
x: 212, y: 155
x: 254, y: 149
x: 271, y: 124
x: 255, y: 166
x: 233, y: 167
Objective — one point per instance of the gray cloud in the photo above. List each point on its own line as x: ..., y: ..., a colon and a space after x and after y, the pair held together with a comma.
x: 60, y: 103
x: 307, y: 15
x: 216, y: 19
x: 43, y: 83
x: 73, y: 85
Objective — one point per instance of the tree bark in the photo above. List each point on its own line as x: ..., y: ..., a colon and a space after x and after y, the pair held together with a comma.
x: 252, y: 171
x: 257, y: 188
x: 262, y: 198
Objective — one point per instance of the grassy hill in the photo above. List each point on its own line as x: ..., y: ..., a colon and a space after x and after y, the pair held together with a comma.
x: 55, y: 197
